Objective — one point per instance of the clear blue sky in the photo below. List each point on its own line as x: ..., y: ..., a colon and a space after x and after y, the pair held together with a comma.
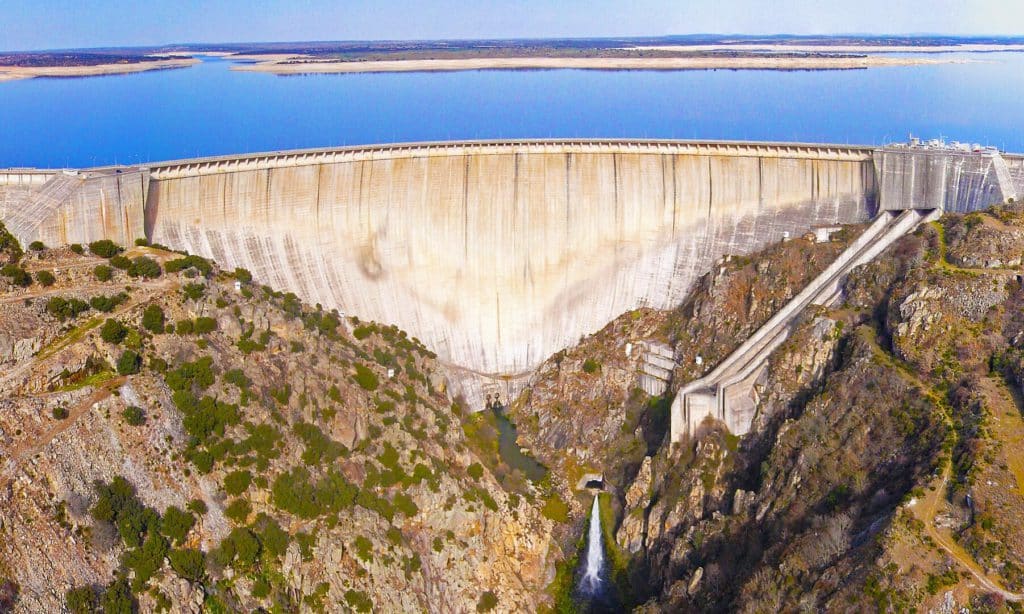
x: 49, y: 24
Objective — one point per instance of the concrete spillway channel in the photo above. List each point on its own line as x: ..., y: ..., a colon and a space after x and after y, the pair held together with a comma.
x: 728, y: 392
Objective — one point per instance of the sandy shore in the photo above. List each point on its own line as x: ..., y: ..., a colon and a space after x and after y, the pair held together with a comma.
x: 9, y: 73
x: 281, y: 67
x: 836, y: 48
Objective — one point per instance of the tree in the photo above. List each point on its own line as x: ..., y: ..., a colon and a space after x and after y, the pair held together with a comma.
x: 77, y: 248
x: 118, y: 598
x: 45, y: 278
x: 134, y: 416
x: 176, y: 524
x: 153, y: 319
x: 103, y: 272
x: 188, y: 563
x: 488, y: 601
x: 113, y: 331
x: 17, y: 275
x: 194, y: 291
x: 237, y: 482
x: 81, y: 600
x: 105, y: 248
x: 36, y: 246
x: 129, y: 363
x: 145, y: 267
x: 64, y: 309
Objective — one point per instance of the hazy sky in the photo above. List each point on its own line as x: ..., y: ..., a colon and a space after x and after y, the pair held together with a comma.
x: 48, y: 24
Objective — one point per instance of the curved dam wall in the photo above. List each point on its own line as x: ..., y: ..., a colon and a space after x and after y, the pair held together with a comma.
x: 496, y: 256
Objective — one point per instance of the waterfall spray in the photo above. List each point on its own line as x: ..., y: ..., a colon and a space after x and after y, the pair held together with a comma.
x: 591, y: 582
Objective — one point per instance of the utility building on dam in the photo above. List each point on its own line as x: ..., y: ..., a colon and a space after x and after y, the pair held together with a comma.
x: 496, y: 254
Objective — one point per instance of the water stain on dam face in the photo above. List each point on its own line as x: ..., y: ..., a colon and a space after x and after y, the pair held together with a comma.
x: 495, y: 255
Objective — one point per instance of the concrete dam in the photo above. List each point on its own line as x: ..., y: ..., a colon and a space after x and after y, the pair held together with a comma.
x: 495, y: 254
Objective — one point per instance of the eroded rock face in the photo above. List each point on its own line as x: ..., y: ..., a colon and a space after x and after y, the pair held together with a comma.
x: 440, y: 539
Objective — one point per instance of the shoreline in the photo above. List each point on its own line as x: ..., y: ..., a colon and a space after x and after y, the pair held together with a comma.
x: 281, y: 66
x: 777, y: 48
x: 12, y: 73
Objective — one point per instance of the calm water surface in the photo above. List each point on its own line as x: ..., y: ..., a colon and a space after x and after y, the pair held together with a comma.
x: 210, y: 110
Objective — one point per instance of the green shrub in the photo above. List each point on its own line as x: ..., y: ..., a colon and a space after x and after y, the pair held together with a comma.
x: 134, y: 416
x: 106, y: 304
x: 185, y: 327
x: 81, y: 600
x: 45, y: 278
x: 366, y: 378
x: 194, y: 291
x: 117, y: 598
x: 362, y: 332
x: 64, y: 309
x: 117, y: 504
x: 129, y: 363
x: 260, y: 588
x: 188, y: 563
x: 9, y: 245
x: 273, y: 538
x: 238, y: 378
x: 36, y: 246
x: 488, y: 601
x: 320, y: 449
x: 147, y: 560
x: 105, y: 248
x: 238, y: 510
x: 237, y: 482
x: 77, y: 248
x: 243, y: 275
x: 60, y: 413
x: 145, y: 267
x: 293, y: 492
x: 404, y: 504
x: 103, y: 272
x: 189, y: 262
x: 113, y: 331
x: 176, y: 523
x: 120, y: 262
x: 364, y: 548
x: 205, y: 325
x: 358, y: 600
x: 475, y: 471
x: 153, y: 319
x: 591, y: 366
x: 555, y: 509
x: 203, y: 461
x: 17, y: 275
x: 197, y: 506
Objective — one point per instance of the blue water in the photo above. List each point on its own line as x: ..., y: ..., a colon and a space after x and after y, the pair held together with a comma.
x: 210, y: 110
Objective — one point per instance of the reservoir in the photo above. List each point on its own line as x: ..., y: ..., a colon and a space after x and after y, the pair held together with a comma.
x: 210, y: 110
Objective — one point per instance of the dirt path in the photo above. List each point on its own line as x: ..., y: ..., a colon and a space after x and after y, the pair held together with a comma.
x: 141, y: 296
x: 31, y: 447
x: 930, y: 507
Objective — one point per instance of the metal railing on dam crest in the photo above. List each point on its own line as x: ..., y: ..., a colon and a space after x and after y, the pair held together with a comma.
x: 496, y: 254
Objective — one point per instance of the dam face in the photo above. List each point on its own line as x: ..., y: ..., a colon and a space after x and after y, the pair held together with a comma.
x: 498, y: 256
x: 495, y: 255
